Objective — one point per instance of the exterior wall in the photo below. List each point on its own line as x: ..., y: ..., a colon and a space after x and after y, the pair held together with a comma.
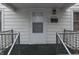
x: 20, y: 22
x: 14, y: 20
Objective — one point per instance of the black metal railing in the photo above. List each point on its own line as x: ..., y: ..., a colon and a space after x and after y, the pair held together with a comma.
x: 71, y: 39
x: 61, y: 47
x: 6, y: 40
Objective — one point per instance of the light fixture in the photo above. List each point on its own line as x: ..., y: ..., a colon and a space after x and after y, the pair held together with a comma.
x: 54, y: 11
x: 54, y: 18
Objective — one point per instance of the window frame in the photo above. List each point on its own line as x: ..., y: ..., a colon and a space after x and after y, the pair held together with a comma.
x: 75, y: 21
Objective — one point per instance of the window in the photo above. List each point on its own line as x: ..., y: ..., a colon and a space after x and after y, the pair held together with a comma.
x: 37, y: 27
x: 76, y: 21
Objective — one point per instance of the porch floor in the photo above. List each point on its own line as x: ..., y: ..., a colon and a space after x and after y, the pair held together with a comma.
x: 42, y: 49
x: 37, y: 49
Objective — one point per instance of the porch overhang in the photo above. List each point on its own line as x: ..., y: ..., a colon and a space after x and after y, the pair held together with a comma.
x: 18, y: 6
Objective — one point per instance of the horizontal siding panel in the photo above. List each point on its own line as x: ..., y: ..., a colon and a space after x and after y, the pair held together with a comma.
x: 12, y: 17
x: 16, y: 20
x: 14, y: 26
x: 9, y: 12
x: 6, y: 9
x: 19, y: 29
x: 17, y: 23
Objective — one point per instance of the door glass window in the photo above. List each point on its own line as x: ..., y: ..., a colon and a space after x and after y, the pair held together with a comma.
x: 37, y: 27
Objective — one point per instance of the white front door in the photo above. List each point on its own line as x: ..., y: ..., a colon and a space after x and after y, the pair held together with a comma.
x: 38, y: 30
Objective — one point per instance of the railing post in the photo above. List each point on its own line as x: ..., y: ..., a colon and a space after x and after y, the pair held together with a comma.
x: 64, y: 36
x: 56, y: 43
x: 76, y: 43
x: 19, y: 38
x: 12, y: 35
x: 5, y: 40
x: 56, y: 38
x: 19, y: 44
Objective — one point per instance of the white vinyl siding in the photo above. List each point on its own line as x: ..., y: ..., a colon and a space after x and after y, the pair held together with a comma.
x: 20, y: 22
x: 13, y: 20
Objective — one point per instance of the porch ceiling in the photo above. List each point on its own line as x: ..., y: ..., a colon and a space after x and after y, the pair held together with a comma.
x: 37, y: 5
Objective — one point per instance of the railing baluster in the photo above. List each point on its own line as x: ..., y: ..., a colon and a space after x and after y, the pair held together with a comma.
x: 64, y: 36
x: 19, y: 44
x: 73, y: 40
x: 12, y: 36
x: 8, y: 39
x: 56, y: 43
x: 56, y: 38
x: 5, y: 39
x: 76, y: 43
x: 70, y: 39
x: 19, y: 38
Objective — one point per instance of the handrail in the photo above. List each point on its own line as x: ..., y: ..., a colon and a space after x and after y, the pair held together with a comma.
x: 69, y: 32
x: 64, y: 44
x: 13, y: 44
x: 6, y: 31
